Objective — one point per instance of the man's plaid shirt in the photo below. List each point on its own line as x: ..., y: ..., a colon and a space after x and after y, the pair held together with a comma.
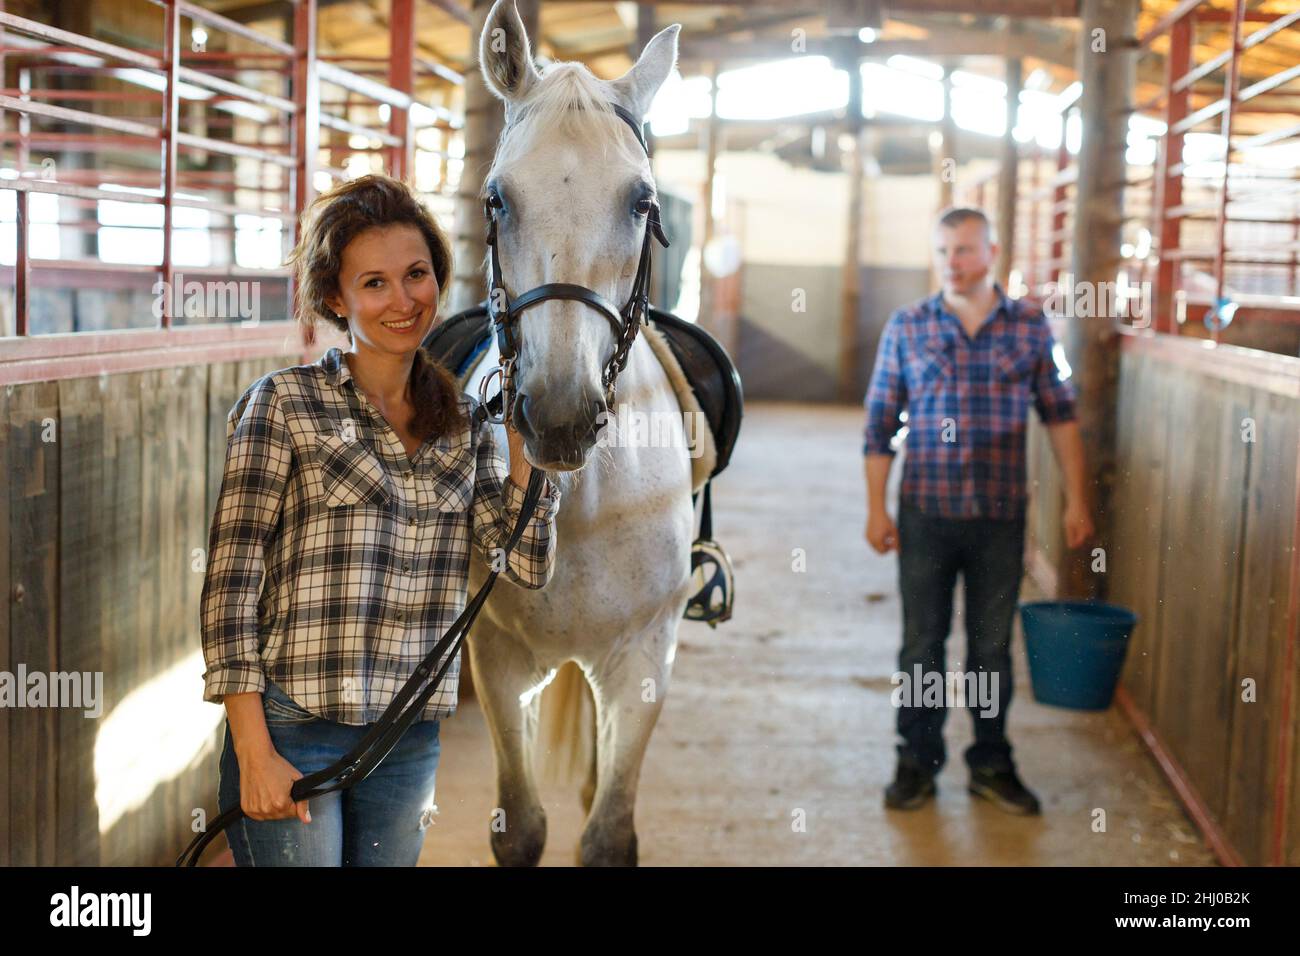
x: 967, y: 404
x: 335, y: 563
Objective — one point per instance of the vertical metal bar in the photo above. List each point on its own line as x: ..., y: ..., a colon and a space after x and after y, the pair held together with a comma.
x: 1059, y: 195
x: 306, y: 96
x: 1167, y: 231
x: 22, y: 274
x: 170, y: 126
x: 24, y: 120
x: 1230, y: 84
x: 1008, y: 172
x: 1031, y: 263
x: 401, y: 77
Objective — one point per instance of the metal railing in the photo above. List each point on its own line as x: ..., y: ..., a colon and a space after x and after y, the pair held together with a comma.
x: 241, y: 138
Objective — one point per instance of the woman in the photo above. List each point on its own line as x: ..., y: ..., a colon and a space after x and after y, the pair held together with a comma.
x: 340, y: 545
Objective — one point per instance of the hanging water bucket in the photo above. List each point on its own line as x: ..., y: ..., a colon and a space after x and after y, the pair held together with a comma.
x: 1076, y: 650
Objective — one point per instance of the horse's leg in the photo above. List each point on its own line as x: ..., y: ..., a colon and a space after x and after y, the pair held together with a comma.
x: 627, y: 708
x: 589, y: 788
x: 504, y: 668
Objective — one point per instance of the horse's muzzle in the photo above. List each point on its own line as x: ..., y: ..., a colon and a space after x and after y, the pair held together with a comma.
x: 558, y: 444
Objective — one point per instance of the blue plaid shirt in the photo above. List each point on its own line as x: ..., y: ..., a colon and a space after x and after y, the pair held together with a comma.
x: 967, y: 404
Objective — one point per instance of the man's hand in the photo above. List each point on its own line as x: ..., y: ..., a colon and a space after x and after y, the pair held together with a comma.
x: 1076, y: 520
x: 881, y: 533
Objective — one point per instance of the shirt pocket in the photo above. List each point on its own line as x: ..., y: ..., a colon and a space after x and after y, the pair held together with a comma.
x: 350, y: 474
x: 931, y: 364
x: 453, y: 485
x: 1015, y: 361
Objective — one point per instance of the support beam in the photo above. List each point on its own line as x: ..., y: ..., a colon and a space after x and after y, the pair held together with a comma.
x: 1092, y: 344
x: 956, y: 44
x: 401, y: 77
x: 851, y: 277
x: 484, y: 120
x: 712, y: 135
x: 1007, y: 176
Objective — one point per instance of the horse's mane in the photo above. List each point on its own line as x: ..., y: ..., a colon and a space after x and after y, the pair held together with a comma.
x: 570, y: 99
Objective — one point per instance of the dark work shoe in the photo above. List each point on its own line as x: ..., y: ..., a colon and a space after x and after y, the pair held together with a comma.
x: 910, y: 789
x: 1005, y: 791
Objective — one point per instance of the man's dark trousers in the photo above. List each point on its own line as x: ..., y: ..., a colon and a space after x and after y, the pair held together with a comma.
x: 990, y: 555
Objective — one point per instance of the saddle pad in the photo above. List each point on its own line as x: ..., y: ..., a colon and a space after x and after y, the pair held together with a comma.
x: 704, y: 453
x: 712, y: 377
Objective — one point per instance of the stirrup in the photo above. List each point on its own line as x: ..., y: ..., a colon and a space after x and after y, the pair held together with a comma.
x: 715, y: 583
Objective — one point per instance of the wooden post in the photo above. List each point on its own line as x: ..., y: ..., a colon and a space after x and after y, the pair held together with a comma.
x: 851, y: 275
x: 1091, y: 343
x: 712, y: 133
x: 1006, y: 217
x: 948, y: 149
x: 484, y: 120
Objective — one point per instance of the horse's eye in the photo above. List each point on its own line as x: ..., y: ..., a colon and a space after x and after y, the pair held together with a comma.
x: 494, y: 200
x: 643, y: 206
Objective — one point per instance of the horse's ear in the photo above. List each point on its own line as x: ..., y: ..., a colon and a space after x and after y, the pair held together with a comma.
x: 639, y: 85
x: 503, y: 53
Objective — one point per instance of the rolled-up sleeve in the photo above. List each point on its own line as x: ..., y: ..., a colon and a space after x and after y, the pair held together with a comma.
x: 1054, y: 397
x: 887, y: 395
x: 259, y: 457
x: 498, y: 503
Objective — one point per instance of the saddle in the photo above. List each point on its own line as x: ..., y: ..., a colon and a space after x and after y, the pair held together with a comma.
x: 460, y: 341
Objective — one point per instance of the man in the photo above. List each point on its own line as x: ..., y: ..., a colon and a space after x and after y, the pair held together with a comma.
x: 966, y: 364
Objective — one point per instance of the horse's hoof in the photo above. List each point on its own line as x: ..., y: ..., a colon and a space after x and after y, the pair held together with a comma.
x: 522, y: 847
x: 609, y: 855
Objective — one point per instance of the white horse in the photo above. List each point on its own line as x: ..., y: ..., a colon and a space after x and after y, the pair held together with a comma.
x: 570, y: 174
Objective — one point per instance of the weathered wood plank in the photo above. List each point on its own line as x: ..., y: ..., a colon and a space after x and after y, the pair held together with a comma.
x: 1261, y: 631
x: 34, y: 516
x: 1203, y: 519
x: 120, y: 613
x: 6, y: 656
x: 82, y: 556
x: 1135, y: 556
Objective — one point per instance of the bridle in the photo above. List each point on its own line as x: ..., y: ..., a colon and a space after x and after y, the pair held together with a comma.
x: 504, y: 312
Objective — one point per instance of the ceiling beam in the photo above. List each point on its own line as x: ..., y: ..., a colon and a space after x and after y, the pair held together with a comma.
x: 967, y: 43
x: 1011, y: 8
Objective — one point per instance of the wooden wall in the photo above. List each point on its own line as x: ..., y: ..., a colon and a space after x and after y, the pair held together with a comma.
x: 107, y: 486
x: 1202, y: 550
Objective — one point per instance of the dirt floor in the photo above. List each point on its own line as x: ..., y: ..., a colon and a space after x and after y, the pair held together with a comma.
x: 783, y: 713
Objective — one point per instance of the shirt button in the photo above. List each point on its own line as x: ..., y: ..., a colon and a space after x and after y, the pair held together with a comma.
x: 406, y: 566
x: 414, y: 520
x: 401, y: 615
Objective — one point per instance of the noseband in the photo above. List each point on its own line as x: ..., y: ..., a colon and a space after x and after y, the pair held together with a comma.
x: 626, y: 322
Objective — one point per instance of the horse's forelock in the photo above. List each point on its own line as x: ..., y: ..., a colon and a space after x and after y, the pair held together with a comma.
x: 571, y: 99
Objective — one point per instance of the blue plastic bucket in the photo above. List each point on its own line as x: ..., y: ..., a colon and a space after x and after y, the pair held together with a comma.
x: 1076, y: 650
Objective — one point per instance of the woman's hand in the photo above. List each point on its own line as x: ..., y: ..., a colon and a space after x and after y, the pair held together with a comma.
x: 265, y: 781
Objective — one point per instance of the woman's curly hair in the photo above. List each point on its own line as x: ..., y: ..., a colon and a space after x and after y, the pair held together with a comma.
x: 334, y: 219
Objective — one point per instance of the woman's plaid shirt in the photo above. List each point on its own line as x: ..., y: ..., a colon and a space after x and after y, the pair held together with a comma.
x: 335, y: 563
x: 967, y: 404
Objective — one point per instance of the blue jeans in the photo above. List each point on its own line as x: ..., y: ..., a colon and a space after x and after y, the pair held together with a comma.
x: 378, y: 822
x: 990, y: 555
